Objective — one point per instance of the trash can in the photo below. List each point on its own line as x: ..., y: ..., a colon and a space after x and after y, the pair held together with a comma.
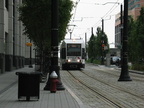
x: 28, y: 85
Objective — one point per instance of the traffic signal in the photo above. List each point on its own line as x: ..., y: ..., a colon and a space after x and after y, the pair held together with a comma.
x: 103, y: 47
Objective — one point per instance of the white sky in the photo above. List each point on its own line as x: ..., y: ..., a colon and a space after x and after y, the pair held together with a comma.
x: 89, y: 13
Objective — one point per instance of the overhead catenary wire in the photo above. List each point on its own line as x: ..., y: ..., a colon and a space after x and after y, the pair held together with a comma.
x: 113, y: 8
x: 73, y: 16
x: 107, y: 14
x: 75, y: 9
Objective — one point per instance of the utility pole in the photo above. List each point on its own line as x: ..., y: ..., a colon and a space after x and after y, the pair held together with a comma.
x: 85, y: 46
x: 85, y: 39
x: 124, y: 68
x: 54, y: 46
x: 102, y: 43
x: 121, y: 31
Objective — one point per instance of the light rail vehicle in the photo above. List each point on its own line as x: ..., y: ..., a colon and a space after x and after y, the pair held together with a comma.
x: 72, y: 54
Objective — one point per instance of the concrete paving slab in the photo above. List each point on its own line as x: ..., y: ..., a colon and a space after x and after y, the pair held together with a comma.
x: 9, y: 94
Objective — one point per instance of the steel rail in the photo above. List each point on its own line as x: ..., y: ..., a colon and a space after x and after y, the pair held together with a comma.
x: 103, y: 97
x: 114, y: 86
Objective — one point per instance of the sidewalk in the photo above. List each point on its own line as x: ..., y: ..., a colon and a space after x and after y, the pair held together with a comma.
x: 8, y: 79
x: 9, y: 94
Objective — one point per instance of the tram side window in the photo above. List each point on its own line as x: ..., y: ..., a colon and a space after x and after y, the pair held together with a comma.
x: 63, y: 53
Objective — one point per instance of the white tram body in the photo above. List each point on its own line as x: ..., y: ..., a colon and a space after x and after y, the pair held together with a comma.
x: 72, y: 54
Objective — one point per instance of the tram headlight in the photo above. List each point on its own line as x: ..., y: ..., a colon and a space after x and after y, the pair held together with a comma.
x: 78, y: 60
x: 68, y: 60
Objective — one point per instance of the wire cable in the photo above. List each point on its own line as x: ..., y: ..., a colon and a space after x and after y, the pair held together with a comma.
x: 107, y: 14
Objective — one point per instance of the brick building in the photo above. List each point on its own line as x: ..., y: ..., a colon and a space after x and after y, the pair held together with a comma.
x: 134, y: 7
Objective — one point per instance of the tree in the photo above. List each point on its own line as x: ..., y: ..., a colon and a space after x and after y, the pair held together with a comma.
x: 95, y: 45
x: 91, y: 44
x: 36, y: 18
x: 132, y: 39
x: 136, y: 38
x: 140, y: 33
x: 99, y: 42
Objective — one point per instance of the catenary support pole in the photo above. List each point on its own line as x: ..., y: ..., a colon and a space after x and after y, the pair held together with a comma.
x: 124, y: 68
x: 102, y: 42
x: 54, y: 46
x: 121, y: 31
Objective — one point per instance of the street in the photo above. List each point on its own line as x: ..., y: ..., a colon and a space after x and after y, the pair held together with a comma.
x: 98, y: 86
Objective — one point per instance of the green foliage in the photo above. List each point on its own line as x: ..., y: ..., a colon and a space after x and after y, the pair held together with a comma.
x: 65, y: 9
x: 140, y: 33
x: 36, y: 18
x: 139, y: 67
x: 136, y: 38
x: 91, y: 44
x: 95, y: 61
x: 132, y: 38
x: 95, y: 46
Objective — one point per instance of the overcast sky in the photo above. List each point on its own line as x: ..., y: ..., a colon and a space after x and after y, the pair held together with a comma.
x: 89, y: 13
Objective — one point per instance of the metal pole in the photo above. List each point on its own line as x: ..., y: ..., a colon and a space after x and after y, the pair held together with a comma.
x: 92, y: 35
x: 85, y: 38
x: 121, y: 31
x: 85, y: 46
x: 70, y: 35
x: 54, y: 46
x: 124, y: 69
x: 102, y: 42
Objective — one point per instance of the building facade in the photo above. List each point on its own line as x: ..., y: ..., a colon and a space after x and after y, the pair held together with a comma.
x: 13, y: 50
x: 117, y: 30
x: 134, y: 7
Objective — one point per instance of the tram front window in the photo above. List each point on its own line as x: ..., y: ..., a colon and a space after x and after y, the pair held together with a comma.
x: 73, y: 50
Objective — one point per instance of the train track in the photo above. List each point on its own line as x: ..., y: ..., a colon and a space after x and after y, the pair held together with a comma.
x: 135, y: 75
x: 83, y: 77
x: 114, y: 86
x: 100, y: 95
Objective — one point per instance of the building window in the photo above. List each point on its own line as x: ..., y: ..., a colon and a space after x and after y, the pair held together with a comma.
x: 6, y: 4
